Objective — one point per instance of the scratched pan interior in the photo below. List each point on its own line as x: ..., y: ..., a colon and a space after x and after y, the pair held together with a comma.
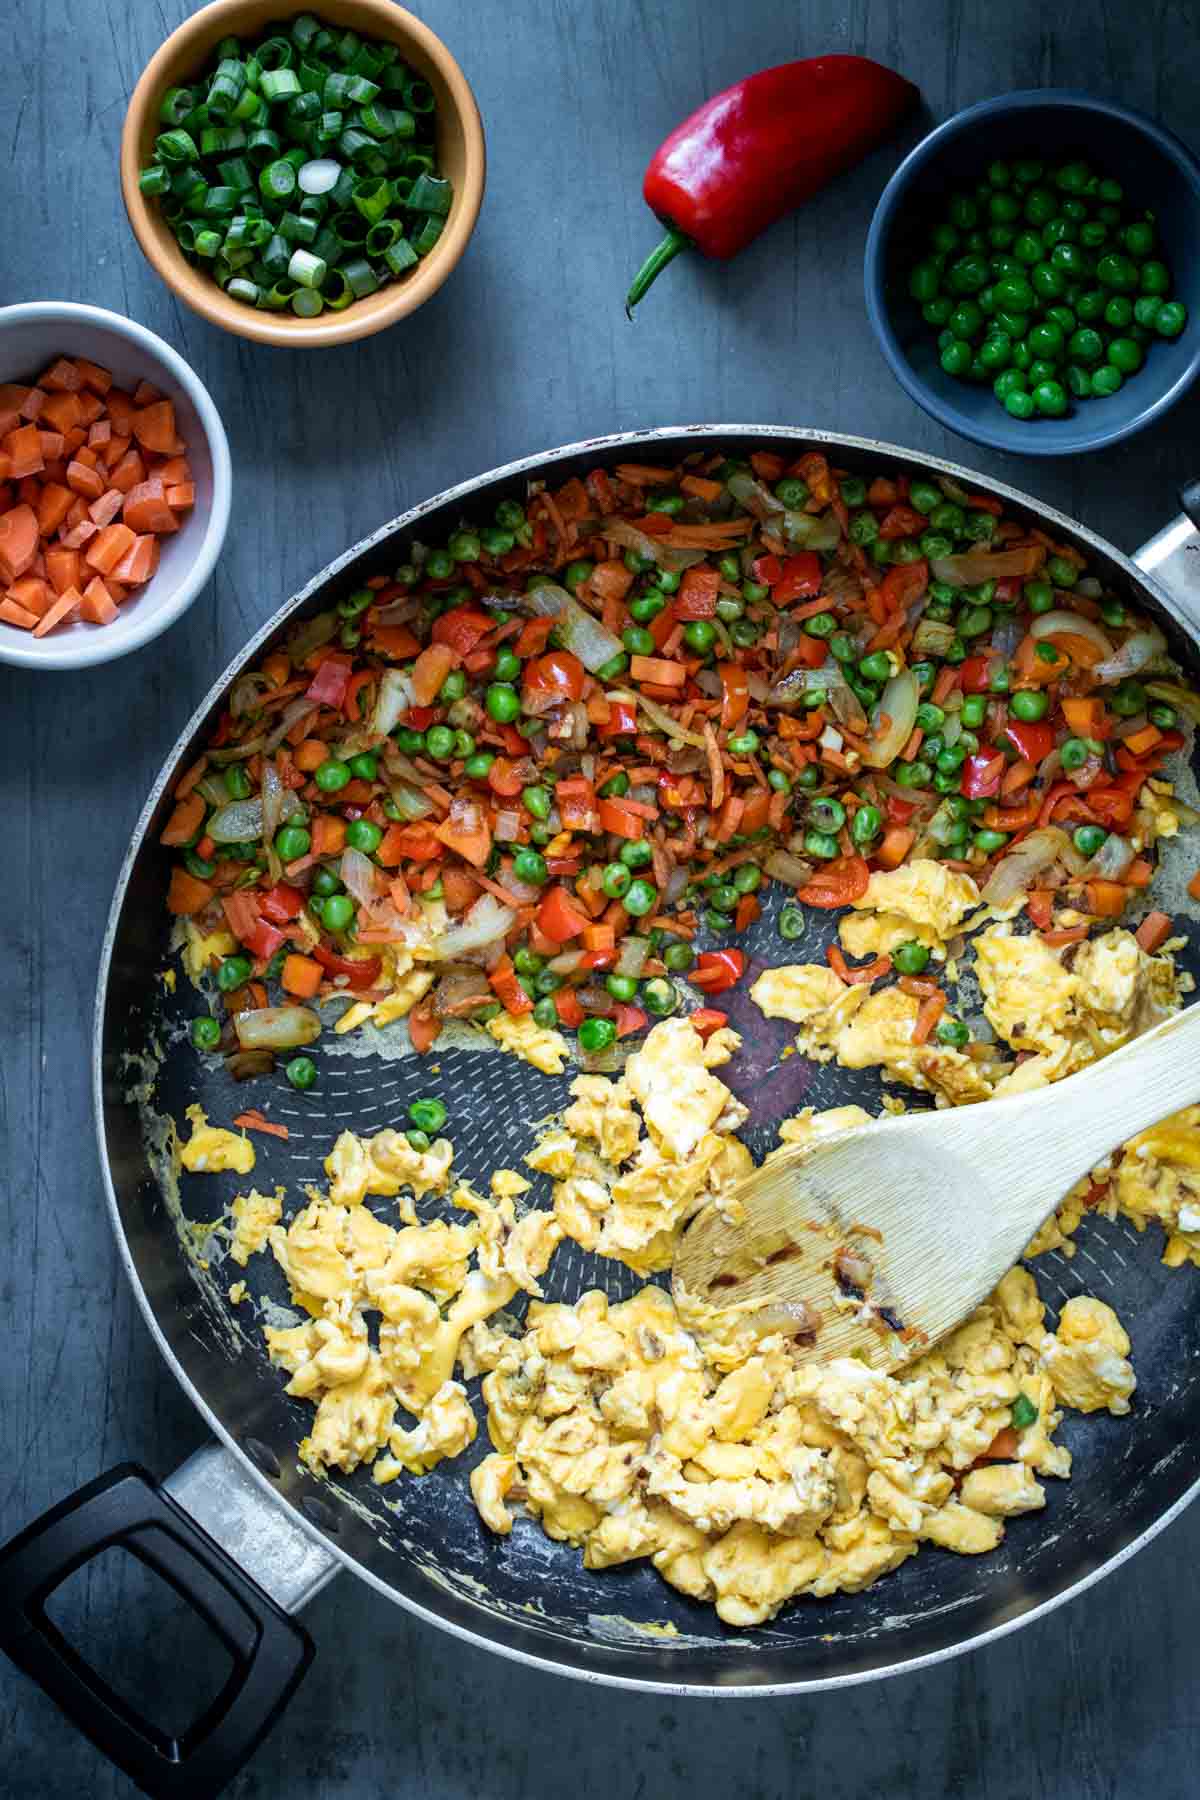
x: 421, y: 1540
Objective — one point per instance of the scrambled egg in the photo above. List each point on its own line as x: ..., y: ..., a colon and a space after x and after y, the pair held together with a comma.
x: 211, y: 1150
x: 1154, y: 1178
x: 546, y: 1049
x: 251, y: 1218
x: 922, y: 894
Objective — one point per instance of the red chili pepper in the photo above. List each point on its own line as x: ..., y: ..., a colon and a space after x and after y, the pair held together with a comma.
x: 981, y: 775
x: 358, y: 974
x: 1033, y: 742
x: 718, y: 970
x: 799, y: 579
x: 755, y: 152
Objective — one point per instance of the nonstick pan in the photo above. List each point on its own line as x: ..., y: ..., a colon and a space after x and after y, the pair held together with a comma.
x: 247, y: 1535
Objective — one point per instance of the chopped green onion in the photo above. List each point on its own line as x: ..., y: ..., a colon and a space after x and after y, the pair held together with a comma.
x: 297, y: 229
x: 175, y: 147
x: 428, y: 236
x: 431, y: 195
x: 372, y: 198
x: 307, y: 303
x: 361, y: 277
x: 400, y: 256
x: 241, y: 289
x: 155, y: 180
x: 277, y: 181
x: 175, y: 105
x: 308, y: 270
x: 279, y: 84
x: 319, y: 176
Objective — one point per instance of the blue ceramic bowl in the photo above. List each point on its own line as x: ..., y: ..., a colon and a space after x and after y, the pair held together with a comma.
x: 1158, y: 173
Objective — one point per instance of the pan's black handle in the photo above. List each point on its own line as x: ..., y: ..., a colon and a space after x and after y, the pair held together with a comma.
x: 270, y: 1652
x: 1189, y: 499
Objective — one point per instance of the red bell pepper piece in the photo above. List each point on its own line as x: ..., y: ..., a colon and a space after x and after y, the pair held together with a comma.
x: 799, y: 579
x: 358, y: 974
x: 981, y: 775
x: 766, y: 570
x: 508, y: 989
x: 901, y: 521
x: 280, y: 903
x: 629, y: 1019
x: 707, y: 1019
x: 566, y: 1005
x: 558, y: 672
x: 622, y: 719
x: 461, y: 628
x: 1033, y: 742
x: 328, y: 686
x: 420, y: 718
x: 974, y: 676
x: 837, y: 883
x: 505, y: 779
x: 697, y: 597
x: 559, y: 917
x: 718, y: 970
x: 903, y: 584
x: 735, y: 694
x: 264, y: 940
x: 620, y: 820
x: 755, y: 152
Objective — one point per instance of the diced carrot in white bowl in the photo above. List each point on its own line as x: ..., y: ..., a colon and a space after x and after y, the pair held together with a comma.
x: 115, y: 485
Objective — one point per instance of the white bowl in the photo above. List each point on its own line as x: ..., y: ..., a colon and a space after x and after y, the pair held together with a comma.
x: 31, y: 336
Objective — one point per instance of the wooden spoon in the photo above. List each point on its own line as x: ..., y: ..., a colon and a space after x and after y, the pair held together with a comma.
x: 876, y: 1241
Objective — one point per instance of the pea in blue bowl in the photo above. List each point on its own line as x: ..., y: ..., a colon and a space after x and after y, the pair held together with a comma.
x: 1157, y: 172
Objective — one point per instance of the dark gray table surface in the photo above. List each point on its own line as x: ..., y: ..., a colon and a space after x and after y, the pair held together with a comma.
x: 526, y: 347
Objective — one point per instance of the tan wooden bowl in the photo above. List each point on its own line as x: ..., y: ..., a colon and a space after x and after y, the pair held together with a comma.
x: 460, y: 146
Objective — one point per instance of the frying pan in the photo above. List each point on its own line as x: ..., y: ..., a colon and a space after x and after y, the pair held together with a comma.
x: 247, y: 1535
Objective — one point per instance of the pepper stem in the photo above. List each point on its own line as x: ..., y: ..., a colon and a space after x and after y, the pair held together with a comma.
x: 652, y: 268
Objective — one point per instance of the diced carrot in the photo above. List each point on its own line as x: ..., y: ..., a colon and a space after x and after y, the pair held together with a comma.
x: 33, y: 593
x: 121, y: 410
x: 139, y: 561
x: 128, y: 472
x: 18, y: 542
x: 98, y: 606
x: 396, y: 641
x: 1140, y: 873
x: 62, y: 377
x: 24, y: 446
x: 328, y: 834
x: 117, y: 590
x: 99, y: 434
x: 1193, y: 887
x: 154, y: 426
x: 12, y: 614
x: 84, y: 480
x: 90, y: 409
x: 145, y: 508
x: 51, y: 443
x: 174, y: 469
x: 185, y: 821
x: 93, y: 376
x: 29, y: 491
x: 59, y: 412
x: 894, y: 846
x: 108, y: 548
x: 1085, y: 717
x: 61, y: 609
x: 73, y: 440
x: 63, y: 568
x: 1140, y: 743
x: 430, y: 671
x: 1106, y: 898
x: 145, y: 392
x: 301, y: 976
x: 310, y: 755
x: 112, y: 452
x: 104, y: 510
x: 658, y: 670
x: 1153, y: 931
x: 78, y: 534
x: 183, y: 495
x: 89, y: 458
x: 701, y: 488
x: 187, y: 894
x: 1003, y: 1447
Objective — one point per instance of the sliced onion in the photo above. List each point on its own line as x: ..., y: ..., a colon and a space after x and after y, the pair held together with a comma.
x: 239, y: 752
x: 620, y: 531
x: 952, y: 730
x: 508, y: 825
x: 311, y: 635
x: 362, y: 879
x: 978, y: 565
x: 933, y: 637
x: 596, y: 1000
x: 461, y: 993
x: 486, y: 923
x: 781, y: 865
x: 1006, y: 636
x: 409, y: 802
x: 244, y: 1065
x: 677, y: 881
x: 814, y: 531
x: 898, y: 703
x: 1061, y: 623
x: 393, y: 700
x: 1182, y: 698
x: 1089, y: 587
x: 276, y: 1027
x: 1138, y: 650
x: 238, y: 823
x: 632, y: 959
x: 399, y: 612
x: 659, y: 716
x: 319, y: 176
x: 570, y: 726
x: 246, y: 693
x: 750, y: 493
x: 1017, y: 873
x: 847, y: 708
x: 272, y: 816
x: 566, y: 962
x: 213, y: 789
x: 300, y: 708
x: 954, y: 490
x: 582, y: 635
x: 1111, y: 859
x: 709, y: 682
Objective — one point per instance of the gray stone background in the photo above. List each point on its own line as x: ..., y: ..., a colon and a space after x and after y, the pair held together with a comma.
x: 526, y: 347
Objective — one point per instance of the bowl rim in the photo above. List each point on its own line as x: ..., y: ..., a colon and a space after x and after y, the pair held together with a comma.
x: 100, y: 647
x: 206, y: 298
x: 1017, y: 437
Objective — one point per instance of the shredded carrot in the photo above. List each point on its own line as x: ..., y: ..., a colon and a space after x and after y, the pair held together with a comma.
x: 253, y: 1120
x: 930, y: 1011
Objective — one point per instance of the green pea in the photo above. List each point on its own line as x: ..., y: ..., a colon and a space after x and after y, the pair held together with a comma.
x: 1045, y: 339
x: 476, y: 767
x: 865, y: 825
x: 1091, y: 305
x: 779, y: 781
x: 615, y: 786
x: 547, y: 982
x: 910, y: 958
x: 820, y: 625
x: 536, y: 801
x: 729, y: 609
x: 1146, y: 309
x: 966, y: 321
x: 700, y: 635
x: 743, y: 634
x: 530, y: 866
x: 596, y: 1034
x: 293, y: 842
x: 967, y: 274
x: 809, y: 776
x: 636, y: 853
x: 199, y: 866
x: 1062, y: 573
x: 1029, y: 704
x: 1027, y: 248
x: 237, y: 782
x: 439, y: 742
x: 853, y: 490
x: 1117, y: 271
x: 1171, y: 318
x: 1124, y: 354
x: 232, y: 971
x: 792, y: 923
x: 951, y: 1031
x: 827, y: 814
x: 206, y: 1032
x: 362, y: 835
x: 1050, y: 398
x: 1022, y: 357
x: 754, y: 591
x: 742, y: 743
x: 913, y: 774
x: 1040, y: 369
x: 1078, y: 381
x: 1074, y: 753
x: 615, y: 880
x: 1012, y: 381
x: 956, y: 357
x: 641, y: 899
x: 325, y: 882
x: 638, y: 641
x: 622, y: 987
x: 453, y: 688
x: 1047, y: 282
x: 576, y: 573
x: 464, y: 743
x: 545, y: 1014
x: 671, y: 504
x: 1014, y: 294
x: 876, y: 667
x: 659, y: 997
x: 439, y: 565
x: 747, y: 878
x: 507, y: 665
x: 301, y: 1072
x: 949, y: 760
x: 527, y: 961
x: 338, y: 912
x: 995, y: 352
x: 1087, y: 839
x: 427, y: 1115
x: 1128, y: 699
x: 792, y: 491
x: 647, y: 606
x: 411, y: 742
x: 503, y: 702
x: 820, y: 845
x: 973, y: 711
